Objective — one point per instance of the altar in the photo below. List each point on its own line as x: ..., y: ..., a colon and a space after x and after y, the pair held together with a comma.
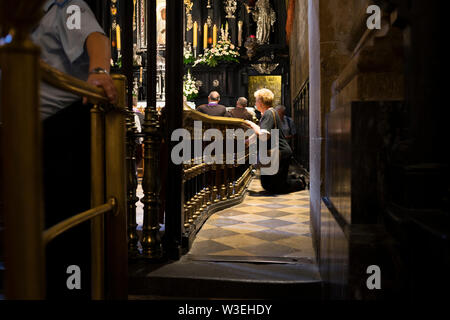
x: 229, y: 46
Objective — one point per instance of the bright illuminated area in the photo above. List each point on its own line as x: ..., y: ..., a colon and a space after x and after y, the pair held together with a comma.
x: 229, y: 159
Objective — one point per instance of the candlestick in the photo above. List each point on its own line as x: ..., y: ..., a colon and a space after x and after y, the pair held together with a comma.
x: 118, y: 37
x: 240, y: 24
x: 205, y: 36
x: 195, y: 34
x: 226, y: 30
x: 140, y: 75
x: 214, y: 35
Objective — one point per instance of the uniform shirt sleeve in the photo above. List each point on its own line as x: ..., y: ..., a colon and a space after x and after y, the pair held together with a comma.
x: 73, y: 39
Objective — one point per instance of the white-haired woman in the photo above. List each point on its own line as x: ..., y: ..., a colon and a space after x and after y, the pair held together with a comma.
x: 280, y: 182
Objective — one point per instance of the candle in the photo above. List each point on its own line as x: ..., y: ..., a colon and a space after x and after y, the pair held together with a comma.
x: 240, y: 24
x: 118, y: 37
x: 195, y: 34
x: 214, y: 35
x: 205, y: 36
x: 140, y: 75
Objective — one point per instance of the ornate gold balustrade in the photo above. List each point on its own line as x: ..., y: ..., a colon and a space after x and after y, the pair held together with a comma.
x: 209, y: 187
x: 206, y: 187
x: 25, y: 237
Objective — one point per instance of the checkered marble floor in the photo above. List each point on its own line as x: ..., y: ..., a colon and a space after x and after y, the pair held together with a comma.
x: 262, y: 226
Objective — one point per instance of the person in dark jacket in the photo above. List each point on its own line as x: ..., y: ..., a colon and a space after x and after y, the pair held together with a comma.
x: 213, y: 108
x: 240, y: 111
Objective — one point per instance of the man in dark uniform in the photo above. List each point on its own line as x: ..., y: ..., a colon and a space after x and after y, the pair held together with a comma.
x: 240, y: 111
x: 213, y: 108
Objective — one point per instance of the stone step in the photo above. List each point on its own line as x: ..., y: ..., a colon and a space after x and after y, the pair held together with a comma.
x: 187, y: 279
x: 2, y: 275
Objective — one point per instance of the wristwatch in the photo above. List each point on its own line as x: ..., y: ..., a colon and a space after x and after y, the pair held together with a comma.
x: 99, y: 71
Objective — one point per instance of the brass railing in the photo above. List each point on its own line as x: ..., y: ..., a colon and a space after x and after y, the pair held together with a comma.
x: 206, y: 187
x: 25, y: 238
x: 209, y: 187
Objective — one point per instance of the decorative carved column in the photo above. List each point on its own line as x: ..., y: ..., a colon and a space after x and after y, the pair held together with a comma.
x: 151, y: 241
x: 131, y: 185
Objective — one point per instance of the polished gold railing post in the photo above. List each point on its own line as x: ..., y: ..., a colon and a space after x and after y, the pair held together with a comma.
x: 116, y: 225
x: 151, y: 240
x: 21, y: 160
x: 208, y: 184
x: 215, y: 191
x: 186, y: 190
x: 132, y: 185
x: 97, y: 199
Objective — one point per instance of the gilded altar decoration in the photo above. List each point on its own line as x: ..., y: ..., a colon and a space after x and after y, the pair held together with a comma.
x: 264, y: 65
x: 273, y: 83
x: 251, y: 44
x: 265, y: 18
x: 230, y: 8
x: 208, y: 6
x: 161, y: 23
x: 189, y: 22
x: 141, y: 18
x: 240, y: 25
x: 209, y: 21
x: 134, y: 14
x: 137, y: 59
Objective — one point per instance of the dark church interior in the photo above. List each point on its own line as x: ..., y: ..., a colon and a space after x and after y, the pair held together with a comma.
x: 93, y: 205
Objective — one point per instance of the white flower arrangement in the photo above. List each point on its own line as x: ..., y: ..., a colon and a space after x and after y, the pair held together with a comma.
x: 190, y: 90
x: 188, y: 56
x: 223, y: 51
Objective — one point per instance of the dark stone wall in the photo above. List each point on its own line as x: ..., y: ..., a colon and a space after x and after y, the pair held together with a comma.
x: 386, y: 175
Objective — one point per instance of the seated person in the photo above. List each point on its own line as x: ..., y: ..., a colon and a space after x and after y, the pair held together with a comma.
x: 213, y: 108
x: 83, y: 53
x: 240, y: 111
x: 280, y: 182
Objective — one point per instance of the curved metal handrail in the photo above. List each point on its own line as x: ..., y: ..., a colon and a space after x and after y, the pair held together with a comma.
x: 71, y: 84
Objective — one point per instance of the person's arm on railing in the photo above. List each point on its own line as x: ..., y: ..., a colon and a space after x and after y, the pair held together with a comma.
x: 99, y: 51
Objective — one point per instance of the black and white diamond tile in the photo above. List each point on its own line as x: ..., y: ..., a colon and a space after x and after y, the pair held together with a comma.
x: 262, y: 226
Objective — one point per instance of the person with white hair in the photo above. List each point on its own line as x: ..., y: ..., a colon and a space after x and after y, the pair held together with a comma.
x: 280, y: 182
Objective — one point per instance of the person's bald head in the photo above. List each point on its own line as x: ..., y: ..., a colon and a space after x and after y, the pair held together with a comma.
x: 242, y: 102
x: 214, y: 96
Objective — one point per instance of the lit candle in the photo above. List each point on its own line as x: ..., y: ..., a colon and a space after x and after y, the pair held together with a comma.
x: 140, y: 75
x: 214, y: 35
x: 240, y: 24
x: 195, y: 34
x: 205, y: 36
x: 118, y: 37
